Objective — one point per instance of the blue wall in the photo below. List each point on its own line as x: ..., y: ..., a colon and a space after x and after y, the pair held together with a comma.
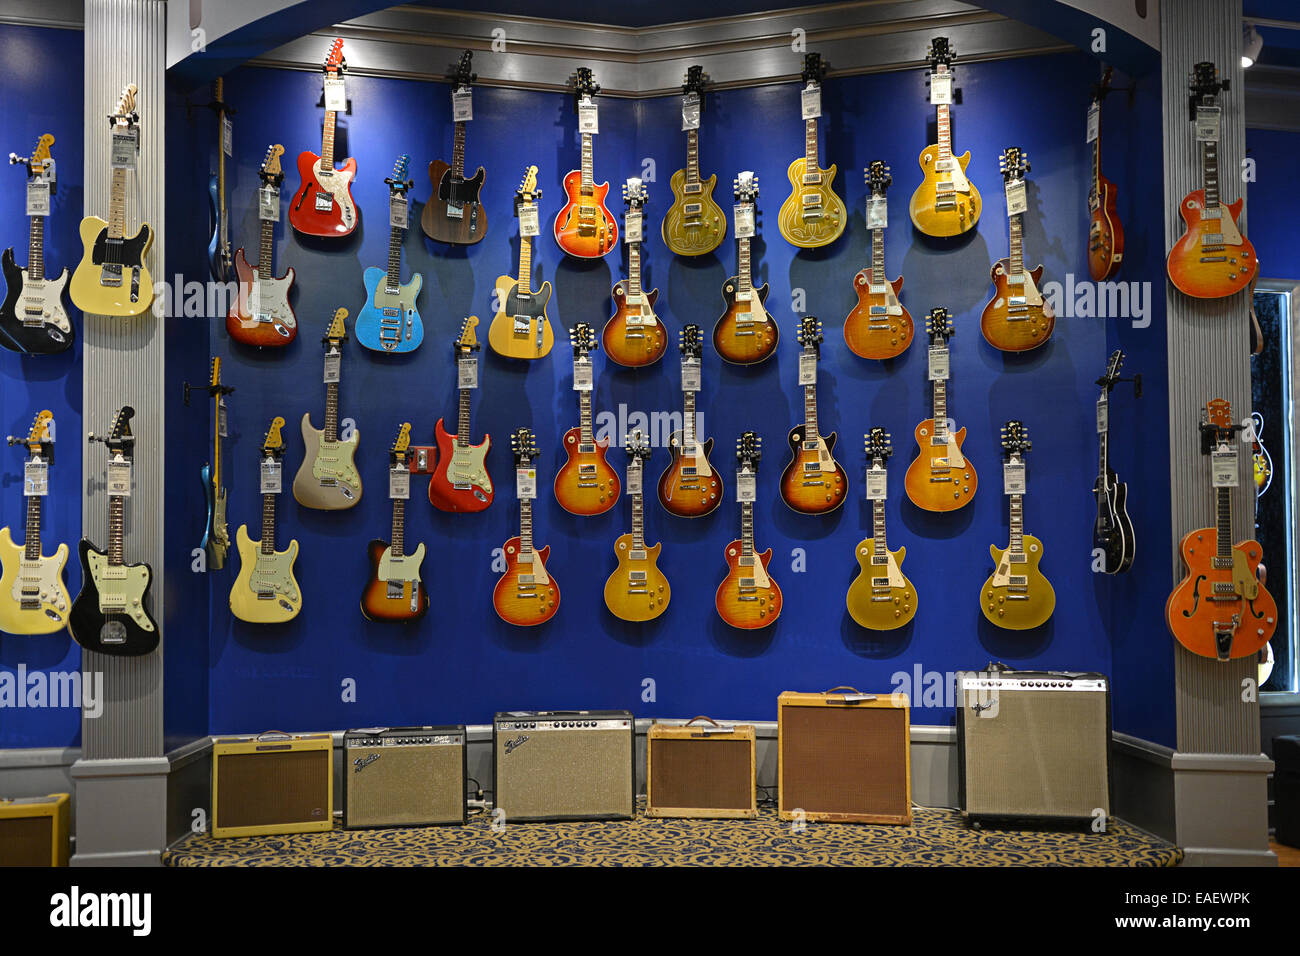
x: 1267, y: 212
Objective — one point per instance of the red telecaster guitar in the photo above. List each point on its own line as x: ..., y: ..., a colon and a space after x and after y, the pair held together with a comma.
x: 584, y: 227
x: 586, y: 483
x: 323, y: 205
x: 525, y: 594
x: 261, y: 313
x: 460, y: 480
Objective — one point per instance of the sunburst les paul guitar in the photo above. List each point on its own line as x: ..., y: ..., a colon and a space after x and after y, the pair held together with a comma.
x: 1018, y: 317
x: 323, y: 205
x: 1105, y: 232
x: 521, y: 329
x: 261, y: 314
x: 395, y: 591
x: 813, y: 215
x: 878, y: 327
x: 460, y: 480
x: 880, y: 598
x: 813, y: 482
x: 694, y: 225
x: 265, y: 590
x: 637, y: 590
x: 525, y: 594
x: 584, y: 227
x: 946, y: 203
x: 586, y: 483
x: 746, y: 334
x: 634, y: 336
x: 690, y: 486
x: 941, y: 478
x: 748, y: 597
x: 328, y: 478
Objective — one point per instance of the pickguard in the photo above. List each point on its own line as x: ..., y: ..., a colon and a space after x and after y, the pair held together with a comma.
x: 405, y: 568
x: 336, y: 184
x: 467, y: 467
x: 753, y: 566
x: 534, y: 566
x: 41, y: 299
x: 334, y: 460
x: 121, y: 588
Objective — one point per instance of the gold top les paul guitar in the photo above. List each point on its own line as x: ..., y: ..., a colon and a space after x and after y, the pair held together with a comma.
x: 265, y: 590
x: 694, y: 225
x: 328, y: 477
x: 637, y: 590
x: 880, y: 598
x: 946, y: 203
x: 813, y: 215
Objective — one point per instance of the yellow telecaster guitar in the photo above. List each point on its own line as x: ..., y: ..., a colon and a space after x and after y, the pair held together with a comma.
x: 946, y: 203
x: 813, y: 215
x: 265, y: 590
x: 1016, y: 595
x: 637, y: 590
x: 881, y: 598
x: 328, y: 478
x: 520, y: 329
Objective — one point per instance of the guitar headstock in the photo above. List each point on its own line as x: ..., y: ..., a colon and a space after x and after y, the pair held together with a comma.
x: 749, y: 450
x: 119, y: 440
x: 638, y: 448
x: 877, y: 177
x: 524, y: 447
x: 1205, y: 84
x: 634, y: 193
x: 467, y: 342
x: 271, y: 174
x: 1013, y: 163
x: 334, y: 62
x: 583, y: 339
x: 696, y: 81
x: 462, y: 77
x: 1015, y: 439
x: 125, y: 115
x: 746, y: 187
x: 397, y: 454
x: 878, y: 446
x: 337, y: 333
x: 690, y: 344
x: 938, y: 325
x: 1218, y: 412
x: 814, y: 68
x: 214, y: 374
x: 1101, y: 88
x: 399, y: 182
x: 1113, y: 366
x: 40, y: 437
x: 273, y: 443
x: 810, y: 334
x: 528, y: 191
x: 39, y: 166
x: 941, y: 55
x: 584, y: 84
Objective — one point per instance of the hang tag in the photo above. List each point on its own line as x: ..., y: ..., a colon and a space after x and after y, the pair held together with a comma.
x: 1207, y: 123
x: 588, y: 120
x: 807, y: 368
x: 691, y: 111
x: 397, y: 208
x: 690, y: 375
x: 467, y: 372
x: 399, y: 482
x: 271, y: 484
x: 876, y: 484
x: 1103, y: 415
x: 336, y: 100
x: 632, y: 226
x: 1094, y: 122
x: 223, y: 431
x: 1223, y: 467
x: 526, y: 483
x: 1017, y: 202
x: 812, y: 101
x: 746, y: 486
x: 36, y: 479
x: 268, y: 204
x: 582, y: 377
x: 126, y: 147
x: 940, y: 89
x: 1013, y: 478
x: 332, y: 362
x: 937, y: 356
x: 119, y: 477
x: 462, y: 105
x: 634, y: 481
x: 877, y: 212
x: 744, y: 213
x: 528, y: 225
x: 38, y: 198
x: 227, y: 137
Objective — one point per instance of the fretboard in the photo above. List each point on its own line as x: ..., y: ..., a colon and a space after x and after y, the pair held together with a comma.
x: 810, y: 412
x: 266, y: 251
x: 1017, y: 259
x: 693, y: 156
x: 216, y: 441
x: 327, y: 143
x: 940, y: 410
x: 458, y: 151
x: 32, y: 546
x: 638, y: 521
x: 1210, y: 173
x: 525, y: 263
x: 1094, y: 190
x: 525, y: 524
x: 1103, y: 440
x: 1017, y: 545
x: 945, y: 132
x: 36, y: 249
x: 878, y: 256
x: 462, y: 424
x: 332, y: 411
x: 688, y: 418
x: 587, y: 178
x: 747, y: 529
x: 117, y: 205
x: 268, y: 524
x: 743, y: 279
x: 810, y: 151
x: 394, y: 258
x: 115, y: 553
x: 398, y: 542
x: 584, y: 416
x: 1223, y: 522
x: 634, y: 268
x: 878, y: 526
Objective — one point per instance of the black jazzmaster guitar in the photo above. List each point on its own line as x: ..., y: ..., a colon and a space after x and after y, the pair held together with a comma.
x: 1113, y: 531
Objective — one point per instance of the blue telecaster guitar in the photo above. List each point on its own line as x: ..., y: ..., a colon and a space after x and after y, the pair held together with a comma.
x: 389, y: 321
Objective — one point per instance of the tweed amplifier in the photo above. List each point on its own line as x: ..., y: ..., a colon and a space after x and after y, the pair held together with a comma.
x: 564, y: 764
x: 403, y: 776
x: 272, y: 783
x: 34, y: 831
x: 702, y: 769
x: 845, y: 757
x: 1033, y: 744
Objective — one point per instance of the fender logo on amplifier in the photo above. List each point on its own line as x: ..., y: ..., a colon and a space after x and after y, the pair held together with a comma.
x: 513, y: 745
x: 361, y: 763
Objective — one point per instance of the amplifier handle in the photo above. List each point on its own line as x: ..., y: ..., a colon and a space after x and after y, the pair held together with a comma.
x: 278, y: 734
x: 701, y: 717
x: 844, y: 687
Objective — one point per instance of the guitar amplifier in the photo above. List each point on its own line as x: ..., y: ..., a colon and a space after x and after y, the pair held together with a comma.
x: 1033, y: 744
x: 34, y: 831
x: 403, y: 776
x: 272, y: 783
x: 700, y: 770
x: 564, y: 764
x: 845, y: 757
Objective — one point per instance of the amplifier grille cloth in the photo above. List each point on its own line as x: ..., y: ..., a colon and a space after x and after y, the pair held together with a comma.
x: 695, y: 774
x: 555, y: 774
x: 261, y: 789
x: 26, y: 841
x: 844, y: 760
x: 405, y: 785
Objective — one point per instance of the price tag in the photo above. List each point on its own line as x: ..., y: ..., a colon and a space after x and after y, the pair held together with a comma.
x: 1103, y: 414
x: 582, y: 378
x: 36, y: 479
x: 268, y: 204
x: 1207, y: 124
x: 812, y: 101
x: 462, y: 105
x: 1223, y: 467
x: 588, y: 120
x: 746, y: 486
x: 38, y: 198
x: 876, y: 484
x: 526, y: 483
x: 937, y: 356
x: 744, y: 213
x: 940, y: 89
x: 632, y: 226
x: 690, y: 375
x: 1017, y: 202
x: 271, y: 484
x: 227, y: 137
x: 125, y: 148
x: 1013, y: 478
x: 1094, y: 122
x: 691, y: 111
x: 399, y: 481
x: 222, y: 427
x: 332, y: 360
x: 528, y: 225
x: 119, y: 477
x: 467, y: 372
x: 396, y: 211
x: 634, y: 481
x: 807, y: 368
x: 877, y: 212
x: 336, y: 100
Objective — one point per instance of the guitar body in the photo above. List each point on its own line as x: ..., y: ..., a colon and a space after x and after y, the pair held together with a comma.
x: 341, y: 216
x: 218, y: 252
x: 1105, y: 234
x: 133, y: 294
x: 584, y: 227
x: 634, y: 336
x: 1033, y: 321
x: 327, y: 478
x: 528, y: 310
x: 940, y: 478
x: 389, y: 321
x: 944, y: 219
x: 42, y: 580
x: 38, y: 302
x: 689, y: 487
x: 273, y: 323
x: 880, y: 597
x: 743, y: 342
x: 265, y: 590
x: 525, y: 595
x: 1011, y: 604
x: 811, y: 233
x: 394, y: 591
x: 813, y: 483
x: 460, y: 481
x: 747, y: 598
x: 644, y: 598
x: 878, y: 327
x: 1233, y: 264
x: 1112, y: 532
x: 586, y: 483
x: 454, y: 213
x: 1210, y: 596
x: 216, y: 541
x: 110, y: 614
x: 688, y: 232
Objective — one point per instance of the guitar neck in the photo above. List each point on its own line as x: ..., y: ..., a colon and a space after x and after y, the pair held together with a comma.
x: 878, y: 256
x: 940, y: 392
x: 394, y: 258
x: 462, y: 423
x: 1094, y: 193
x: 525, y: 263
x: 332, y: 411
x: 588, y: 179
x: 638, y: 522
x: 878, y: 526
x: 810, y: 150
x: 458, y: 152
x: 810, y: 412
x: 744, y: 281
x: 525, y: 524
x: 634, y: 268
x: 398, y: 540
x: 584, y: 417
x: 747, y: 529
x: 1017, y: 522
x: 219, y: 89
x: 1210, y: 173
x: 266, y: 251
x: 115, y: 551
x: 1103, y: 451
x: 693, y: 157
x: 945, y: 131
x: 117, y: 206
x: 688, y: 418
x: 327, y: 143
x: 268, y: 524
x: 36, y: 248
x: 1223, y: 524
x: 32, y: 544
x: 1017, y: 259
x: 216, y: 441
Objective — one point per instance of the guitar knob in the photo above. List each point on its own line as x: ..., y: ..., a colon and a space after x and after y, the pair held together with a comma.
x: 897, y: 613
x: 1002, y: 611
x: 989, y: 595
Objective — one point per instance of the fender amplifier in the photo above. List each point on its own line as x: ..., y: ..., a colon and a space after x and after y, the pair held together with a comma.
x: 272, y: 783
x: 34, y: 831
x: 1033, y: 744
x: 845, y: 757
x: 403, y: 776
x: 703, y: 770
x: 564, y: 764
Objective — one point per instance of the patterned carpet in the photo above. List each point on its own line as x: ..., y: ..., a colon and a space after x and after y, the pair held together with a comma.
x: 936, y: 838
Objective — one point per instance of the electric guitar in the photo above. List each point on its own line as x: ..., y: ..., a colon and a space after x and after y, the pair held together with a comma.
x: 261, y: 314
x: 634, y: 336
x: 946, y: 203
x: 584, y: 227
x: 265, y: 590
x: 1017, y: 318
x: 941, y: 478
x: 637, y: 590
x: 327, y: 478
x: 216, y: 537
x: 880, y: 597
x: 389, y: 321
x: 1105, y: 232
x: 813, y: 215
x: 525, y: 594
x: 219, y: 261
x: 395, y: 591
x: 586, y: 483
x: 748, y: 597
x: 454, y: 212
x: 746, y: 334
x: 1016, y: 596
x: 690, y: 487
x: 33, y: 597
x: 813, y: 483
x: 878, y: 327
x: 1221, y: 608
x: 33, y: 318
x: 1212, y: 259
x: 694, y: 225
x: 521, y: 328
x: 323, y: 205
x: 111, y: 614
x: 111, y: 278
x: 460, y: 480
x: 1112, y: 532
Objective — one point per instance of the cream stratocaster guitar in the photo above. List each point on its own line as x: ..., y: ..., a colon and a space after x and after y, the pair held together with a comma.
x: 586, y: 483
x: 525, y: 594
x: 637, y: 590
x: 327, y: 478
x: 323, y: 205
x: 634, y: 336
x: 521, y: 329
x: 813, y: 215
x: 748, y: 597
x: 878, y: 327
x: 265, y: 590
x: 1018, y: 317
x: 33, y: 597
x: 395, y: 591
x: 216, y: 536
x: 261, y: 314
x: 460, y: 480
x: 946, y: 203
x: 942, y: 477
x: 690, y: 487
x: 880, y: 598
x: 694, y: 225
x: 813, y: 483
x: 746, y: 334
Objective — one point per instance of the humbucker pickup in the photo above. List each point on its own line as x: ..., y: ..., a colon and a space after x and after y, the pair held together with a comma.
x: 587, y: 448
x: 693, y: 208
x: 880, y: 582
x: 811, y: 466
x: 1018, y: 581
x: 812, y: 179
x: 637, y: 555
x: 636, y: 577
x: 586, y: 471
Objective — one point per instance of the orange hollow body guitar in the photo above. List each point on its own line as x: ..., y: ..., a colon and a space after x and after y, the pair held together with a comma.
x: 634, y: 336
x: 584, y: 227
x: 586, y: 483
x: 748, y: 598
x: 525, y: 595
x: 941, y: 478
x: 878, y: 327
x: 1018, y: 317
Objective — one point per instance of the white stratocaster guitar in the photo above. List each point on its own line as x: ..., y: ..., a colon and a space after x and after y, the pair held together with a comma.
x: 265, y: 591
x: 328, y: 477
